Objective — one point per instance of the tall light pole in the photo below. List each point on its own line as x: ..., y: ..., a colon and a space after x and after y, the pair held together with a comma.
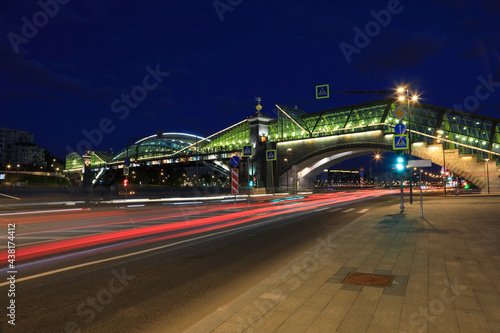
x: 404, y: 95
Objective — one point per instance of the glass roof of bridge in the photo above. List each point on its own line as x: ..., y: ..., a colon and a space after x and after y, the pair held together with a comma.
x: 152, y: 146
x: 471, y: 134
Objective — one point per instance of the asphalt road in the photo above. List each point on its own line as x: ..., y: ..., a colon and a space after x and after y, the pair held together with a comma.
x: 155, y: 284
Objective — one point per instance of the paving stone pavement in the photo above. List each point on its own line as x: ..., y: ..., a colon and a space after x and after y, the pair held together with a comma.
x: 446, y: 269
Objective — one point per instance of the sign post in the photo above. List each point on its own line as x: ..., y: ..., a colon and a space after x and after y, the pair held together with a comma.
x: 420, y: 164
x: 247, y: 152
x: 271, y: 156
x: 234, y: 181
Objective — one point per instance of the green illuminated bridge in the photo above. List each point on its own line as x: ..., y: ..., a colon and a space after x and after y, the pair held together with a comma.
x: 469, y: 144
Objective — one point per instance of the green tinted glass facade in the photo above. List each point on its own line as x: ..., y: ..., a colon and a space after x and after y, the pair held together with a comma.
x: 232, y: 140
x: 74, y: 161
x: 471, y: 134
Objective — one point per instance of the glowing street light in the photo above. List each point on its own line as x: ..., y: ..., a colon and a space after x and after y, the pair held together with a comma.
x: 376, y: 157
x: 404, y: 95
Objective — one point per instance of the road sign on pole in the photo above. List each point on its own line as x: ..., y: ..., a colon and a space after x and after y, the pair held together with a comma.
x: 234, y: 181
x: 271, y: 155
x: 126, y: 171
x: 400, y: 142
x: 323, y: 91
x: 235, y: 160
x: 399, y: 113
x: 247, y: 151
x: 400, y: 128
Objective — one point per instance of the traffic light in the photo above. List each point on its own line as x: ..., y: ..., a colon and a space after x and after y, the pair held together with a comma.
x: 125, y: 182
x: 400, y: 163
x: 136, y: 161
x: 252, y: 182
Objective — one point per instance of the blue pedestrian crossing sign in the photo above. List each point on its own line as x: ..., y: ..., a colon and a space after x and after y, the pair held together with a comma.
x: 400, y: 141
x: 323, y: 91
x: 247, y: 151
x: 271, y: 155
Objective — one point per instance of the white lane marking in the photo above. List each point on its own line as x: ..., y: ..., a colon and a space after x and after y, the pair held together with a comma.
x: 363, y: 211
x: 44, y: 211
x: 10, y: 196
x: 348, y: 210
x: 129, y: 254
x: 334, y: 210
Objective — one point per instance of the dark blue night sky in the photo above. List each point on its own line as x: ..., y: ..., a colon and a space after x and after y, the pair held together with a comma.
x: 128, y: 68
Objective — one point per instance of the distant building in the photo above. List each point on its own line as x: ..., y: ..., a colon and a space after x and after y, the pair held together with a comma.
x: 17, y: 148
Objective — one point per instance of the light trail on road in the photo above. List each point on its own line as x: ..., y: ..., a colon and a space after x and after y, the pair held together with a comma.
x: 194, y: 222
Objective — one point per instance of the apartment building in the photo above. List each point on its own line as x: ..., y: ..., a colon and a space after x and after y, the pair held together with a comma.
x: 17, y: 147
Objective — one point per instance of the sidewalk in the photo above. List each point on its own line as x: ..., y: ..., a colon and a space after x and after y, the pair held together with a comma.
x: 445, y: 269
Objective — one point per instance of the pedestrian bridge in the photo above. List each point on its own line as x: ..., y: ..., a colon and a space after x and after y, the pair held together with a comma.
x: 308, y: 143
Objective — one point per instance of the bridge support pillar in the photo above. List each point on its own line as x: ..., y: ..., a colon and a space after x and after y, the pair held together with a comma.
x: 259, y: 169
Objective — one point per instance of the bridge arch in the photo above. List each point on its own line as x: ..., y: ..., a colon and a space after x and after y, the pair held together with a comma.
x: 309, y: 156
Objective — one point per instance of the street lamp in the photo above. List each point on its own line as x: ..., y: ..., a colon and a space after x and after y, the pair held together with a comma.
x: 376, y: 157
x: 404, y: 95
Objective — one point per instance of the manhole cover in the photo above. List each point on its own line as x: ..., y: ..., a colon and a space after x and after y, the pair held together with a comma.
x: 368, y: 279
